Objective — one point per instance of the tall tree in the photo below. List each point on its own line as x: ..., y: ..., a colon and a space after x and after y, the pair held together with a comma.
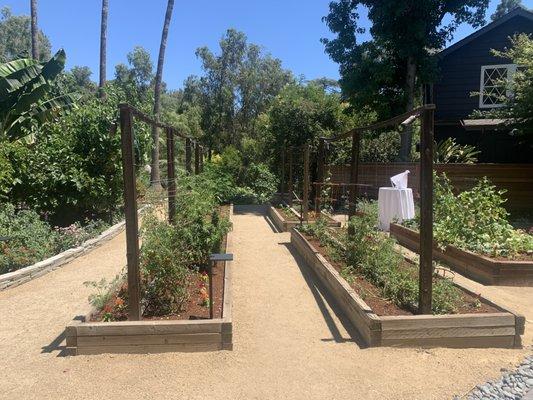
x: 15, y: 38
x: 504, y: 7
x: 34, y: 31
x: 398, y: 57
x: 103, y: 47
x: 136, y: 78
x: 239, y: 84
x: 155, y: 176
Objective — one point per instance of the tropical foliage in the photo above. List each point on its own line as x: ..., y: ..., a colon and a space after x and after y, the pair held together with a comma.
x: 449, y: 151
x: 25, y: 93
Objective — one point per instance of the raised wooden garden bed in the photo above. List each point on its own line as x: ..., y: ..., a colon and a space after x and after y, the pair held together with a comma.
x: 480, y: 268
x: 284, y: 224
x: 501, y: 328
x: 157, y: 336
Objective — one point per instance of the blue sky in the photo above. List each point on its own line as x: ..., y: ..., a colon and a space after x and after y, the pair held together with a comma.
x: 288, y: 29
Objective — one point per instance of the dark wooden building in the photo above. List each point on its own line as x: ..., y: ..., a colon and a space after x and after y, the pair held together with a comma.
x: 468, y: 73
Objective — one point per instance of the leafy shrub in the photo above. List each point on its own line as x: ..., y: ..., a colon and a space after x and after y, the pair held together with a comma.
x: 475, y: 220
x: 30, y: 238
x: 368, y: 253
x: 261, y: 182
x: 171, y: 254
x: 74, y: 235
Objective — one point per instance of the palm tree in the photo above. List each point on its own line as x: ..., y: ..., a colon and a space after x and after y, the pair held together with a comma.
x: 155, y: 175
x: 103, y: 46
x: 34, y: 32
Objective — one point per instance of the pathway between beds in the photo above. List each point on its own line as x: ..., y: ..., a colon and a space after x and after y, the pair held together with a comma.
x: 289, y: 342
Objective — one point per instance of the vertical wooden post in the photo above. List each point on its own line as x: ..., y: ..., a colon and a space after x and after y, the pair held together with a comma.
x: 426, y: 212
x: 171, y: 174
x: 196, y: 158
x: 354, y: 175
x: 291, y: 184
x: 305, y: 197
x: 320, y: 173
x: 201, y: 158
x: 188, y: 155
x: 282, y: 185
x: 211, y: 300
x: 130, y: 211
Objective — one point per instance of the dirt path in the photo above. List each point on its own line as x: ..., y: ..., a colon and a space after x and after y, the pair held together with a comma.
x: 289, y: 341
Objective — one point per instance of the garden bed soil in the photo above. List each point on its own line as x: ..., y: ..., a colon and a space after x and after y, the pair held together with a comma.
x: 492, y: 326
x: 190, y: 330
x: 194, y: 308
x: 483, y: 269
x: 287, y: 218
x: 381, y: 306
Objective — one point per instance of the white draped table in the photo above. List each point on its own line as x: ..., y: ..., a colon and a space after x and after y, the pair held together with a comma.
x: 394, y: 204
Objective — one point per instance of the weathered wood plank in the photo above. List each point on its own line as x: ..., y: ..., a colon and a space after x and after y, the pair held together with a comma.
x: 454, y: 342
x: 149, y: 349
x: 452, y: 332
x: 148, y: 327
x: 389, y: 323
x: 157, y: 339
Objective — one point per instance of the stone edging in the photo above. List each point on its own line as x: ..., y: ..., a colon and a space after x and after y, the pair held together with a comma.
x: 26, y: 274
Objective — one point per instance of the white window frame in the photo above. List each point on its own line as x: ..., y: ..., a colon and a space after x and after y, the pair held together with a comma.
x: 511, y: 70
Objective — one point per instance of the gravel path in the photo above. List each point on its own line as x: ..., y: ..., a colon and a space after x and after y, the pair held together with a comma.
x: 290, y: 342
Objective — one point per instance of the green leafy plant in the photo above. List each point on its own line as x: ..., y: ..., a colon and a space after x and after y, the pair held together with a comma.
x: 25, y: 86
x: 30, y: 239
x: 370, y: 254
x: 449, y: 151
x: 475, y: 220
x: 172, y: 254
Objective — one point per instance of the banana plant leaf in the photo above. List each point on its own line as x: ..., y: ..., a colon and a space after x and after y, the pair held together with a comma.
x: 24, y: 88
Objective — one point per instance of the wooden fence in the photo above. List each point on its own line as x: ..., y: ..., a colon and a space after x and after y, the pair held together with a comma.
x: 517, y: 179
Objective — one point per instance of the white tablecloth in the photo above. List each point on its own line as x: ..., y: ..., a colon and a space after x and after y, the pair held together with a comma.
x: 394, y: 204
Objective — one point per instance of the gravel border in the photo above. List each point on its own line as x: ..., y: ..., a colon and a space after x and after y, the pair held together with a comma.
x: 511, y: 386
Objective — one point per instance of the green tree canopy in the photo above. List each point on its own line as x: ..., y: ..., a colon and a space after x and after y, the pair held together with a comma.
x: 15, y: 38
x: 504, y: 7
x: 384, y: 72
x: 238, y: 85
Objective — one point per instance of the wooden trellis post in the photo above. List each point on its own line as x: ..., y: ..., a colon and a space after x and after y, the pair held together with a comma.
x: 354, y: 175
x: 320, y: 172
x: 282, y: 186
x: 291, y: 185
x: 130, y: 211
x: 305, y: 185
x: 196, y: 158
x: 202, y: 158
x: 188, y: 155
x: 171, y: 187
x: 426, y: 212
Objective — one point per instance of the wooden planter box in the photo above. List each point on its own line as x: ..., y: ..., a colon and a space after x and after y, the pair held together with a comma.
x: 84, y: 337
x: 477, y: 267
x: 285, y: 225
x: 501, y: 329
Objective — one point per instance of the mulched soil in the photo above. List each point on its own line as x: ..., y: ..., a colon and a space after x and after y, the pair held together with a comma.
x: 518, y: 257
x: 371, y: 294
x: 194, y: 308
x: 290, y: 216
